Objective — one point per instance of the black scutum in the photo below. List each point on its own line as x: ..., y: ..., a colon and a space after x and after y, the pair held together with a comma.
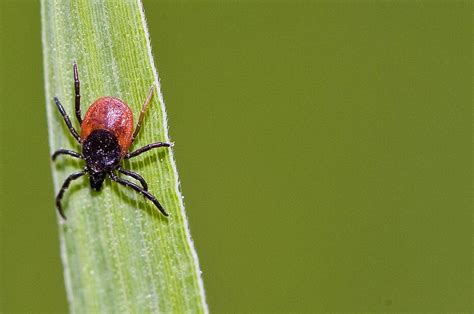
x: 101, y: 152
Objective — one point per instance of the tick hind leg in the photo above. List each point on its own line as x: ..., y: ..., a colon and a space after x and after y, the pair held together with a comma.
x: 139, y: 124
x: 66, y: 183
x: 77, y: 89
x: 142, y: 112
x: 67, y: 120
x: 139, y: 190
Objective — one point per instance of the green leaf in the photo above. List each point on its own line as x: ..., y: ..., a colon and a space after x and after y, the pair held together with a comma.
x: 119, y: 253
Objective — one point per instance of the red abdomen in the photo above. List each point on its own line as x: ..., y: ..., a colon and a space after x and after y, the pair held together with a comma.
x: 113, y: 115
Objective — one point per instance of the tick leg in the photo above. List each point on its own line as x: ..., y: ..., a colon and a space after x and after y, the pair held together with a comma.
x: 135, y: 176
x: 77, y: 89
x: 66, y: 152
x: 66, y: 183
x: 142, y: 113
x: 67, y: 120
x: 139, y: 190
x: 147, y: 148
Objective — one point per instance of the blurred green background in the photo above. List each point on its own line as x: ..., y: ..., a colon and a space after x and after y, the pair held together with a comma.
x: 324, y: 150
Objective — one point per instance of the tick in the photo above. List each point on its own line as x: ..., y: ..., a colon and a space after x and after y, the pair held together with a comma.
x: 106, y: 135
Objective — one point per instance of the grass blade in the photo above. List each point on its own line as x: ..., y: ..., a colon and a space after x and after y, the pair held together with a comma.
x: 119, y: 253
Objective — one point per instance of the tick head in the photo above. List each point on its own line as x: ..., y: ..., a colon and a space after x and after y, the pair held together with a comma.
x: 96, y: 180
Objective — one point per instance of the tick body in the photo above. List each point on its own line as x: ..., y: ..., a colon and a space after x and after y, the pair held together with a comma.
x: 107, y: 133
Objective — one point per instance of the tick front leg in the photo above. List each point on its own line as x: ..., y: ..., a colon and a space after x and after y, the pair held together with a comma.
x: 66, y: 183
x: 66, y: 152
x: 135, y: 176
x: 147, y: 148
x: 139, y: 190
